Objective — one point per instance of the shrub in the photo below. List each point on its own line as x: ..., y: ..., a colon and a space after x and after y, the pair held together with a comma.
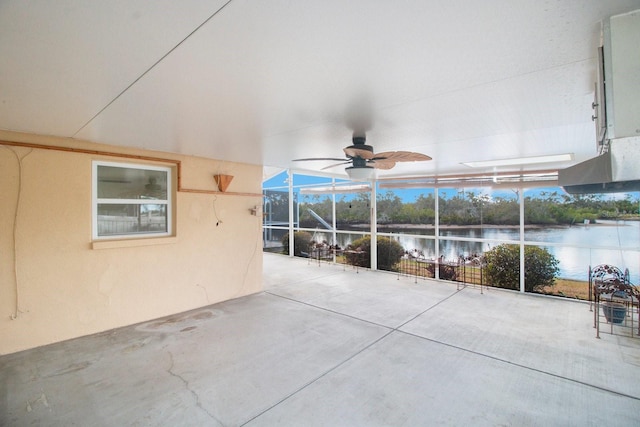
x: 503, y: 267
x: 301, y: 243
x: 389, y: 253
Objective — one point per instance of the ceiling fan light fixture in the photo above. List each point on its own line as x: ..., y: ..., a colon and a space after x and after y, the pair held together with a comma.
x: 363, y: 173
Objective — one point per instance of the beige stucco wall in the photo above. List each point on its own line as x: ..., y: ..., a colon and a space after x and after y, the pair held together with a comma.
x: 66, y: 288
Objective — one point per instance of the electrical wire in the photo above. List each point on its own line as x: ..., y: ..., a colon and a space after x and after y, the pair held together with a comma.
x: 218, y: 220
x: 19, y: 159
x: 251, y: 258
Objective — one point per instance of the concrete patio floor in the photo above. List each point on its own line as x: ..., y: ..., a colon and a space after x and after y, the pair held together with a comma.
x: 329, y: 346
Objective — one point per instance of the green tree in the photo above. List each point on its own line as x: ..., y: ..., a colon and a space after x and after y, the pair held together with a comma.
x: 503, y: 267
x: 425, y: 206
x: 457, y: 210
x: 628, y: 205
x: 388, y: 207
x: 479, y: 203
x: 502, y: 211
x: 353, y: 210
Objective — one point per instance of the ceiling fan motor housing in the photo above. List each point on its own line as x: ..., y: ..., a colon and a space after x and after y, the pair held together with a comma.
x: 359, y: 162
x: 359, y: 150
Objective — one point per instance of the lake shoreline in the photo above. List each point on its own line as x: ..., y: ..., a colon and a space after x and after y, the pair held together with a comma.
x: 382, y: 227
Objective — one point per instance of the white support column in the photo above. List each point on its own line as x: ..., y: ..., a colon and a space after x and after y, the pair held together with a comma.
x: 291, y: 219
x: 334, y: 221
x: 437, y: 232
x: 374, y: 226
x: 521, y: 204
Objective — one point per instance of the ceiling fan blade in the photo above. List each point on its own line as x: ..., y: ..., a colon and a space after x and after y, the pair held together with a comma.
x: 335, y: 164
x: 351, y: 151
x: 382, y: 164
x: 401, y: 156
x: 320, y: 158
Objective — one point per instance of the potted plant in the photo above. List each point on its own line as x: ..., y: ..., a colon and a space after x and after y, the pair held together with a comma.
x: 614, y: 312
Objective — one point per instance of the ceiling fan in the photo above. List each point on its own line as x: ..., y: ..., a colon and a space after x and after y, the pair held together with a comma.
x: 364, y: 161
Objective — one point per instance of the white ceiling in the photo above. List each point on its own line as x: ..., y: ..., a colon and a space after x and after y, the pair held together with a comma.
x: 268, y: 81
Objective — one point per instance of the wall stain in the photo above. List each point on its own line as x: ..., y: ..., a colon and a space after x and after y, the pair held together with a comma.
x: 174, y: 320
x: 42, y: 399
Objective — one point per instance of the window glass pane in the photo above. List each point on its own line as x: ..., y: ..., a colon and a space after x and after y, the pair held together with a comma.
x: 316, y: 211
x: 454, y: 206
x: 584, y: 219
x: 276, y: 207
x: 418, y: 253
x: 502, y: 266
x: 117, y: 219
x: 414, y: 246
x: 479, y: 213
x: 343, y: 240
x: 276, y: 201
x: 584, y: 230
x: 452, y: 250
x: 131, y: 183
x: 407, y: 211
x: 353, y: 212
x: 542, y: 208
x: 272, y: 239
x: 571, y: 266
x: 315, y: 203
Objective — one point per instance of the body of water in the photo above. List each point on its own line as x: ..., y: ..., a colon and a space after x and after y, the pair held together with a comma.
x: 576, y: 247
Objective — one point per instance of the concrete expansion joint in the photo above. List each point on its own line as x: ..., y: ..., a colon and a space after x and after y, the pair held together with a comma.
x: 391, y: 328
x: 327, y: 309
x: 429, y: 308
x: 195, y: 395
x: 322, y: 375
x: 350, y: 357
x: 522, y: 366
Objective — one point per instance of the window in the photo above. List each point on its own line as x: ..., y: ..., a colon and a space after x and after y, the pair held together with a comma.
x: 131, y: 200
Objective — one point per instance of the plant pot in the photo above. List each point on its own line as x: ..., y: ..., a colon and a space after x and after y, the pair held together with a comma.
x: 614, y: 312
x: 223, y: 181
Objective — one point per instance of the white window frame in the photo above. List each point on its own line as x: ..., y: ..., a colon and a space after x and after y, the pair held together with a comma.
x: 96, y: 201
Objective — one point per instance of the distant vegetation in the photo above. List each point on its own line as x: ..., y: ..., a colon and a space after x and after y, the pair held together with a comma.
x: 469, y: 208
